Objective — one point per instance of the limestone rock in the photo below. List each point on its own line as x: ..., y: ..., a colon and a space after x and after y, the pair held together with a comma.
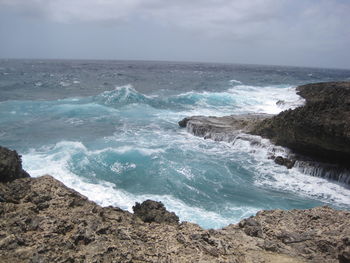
x: 221, y: 128
x: 49, y: 222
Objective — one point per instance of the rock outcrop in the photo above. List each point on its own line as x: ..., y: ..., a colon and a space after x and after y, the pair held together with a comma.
x: 152, y: 211
x: 222, y: 128
x: 318, y: 133
x: 10, y: 166
x: 47, y: 222
x: 319, y: 129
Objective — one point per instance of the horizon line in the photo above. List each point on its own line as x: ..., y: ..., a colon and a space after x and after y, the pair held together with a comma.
x: 173, y: 61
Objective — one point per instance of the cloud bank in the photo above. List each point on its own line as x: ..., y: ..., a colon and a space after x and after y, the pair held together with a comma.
x: 294, y: 31
x: 238, y: 19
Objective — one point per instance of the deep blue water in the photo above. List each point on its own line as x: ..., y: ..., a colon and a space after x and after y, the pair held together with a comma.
x: 109, y: 130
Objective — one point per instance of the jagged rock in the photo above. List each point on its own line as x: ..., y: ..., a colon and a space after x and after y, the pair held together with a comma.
x: 320, y: 128
x: 152, y: 211
x: 10, y: 165
x: 86, y: 232
x: 289, y: 163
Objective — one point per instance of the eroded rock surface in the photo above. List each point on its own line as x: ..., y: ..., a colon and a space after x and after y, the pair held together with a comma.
x: 47, y: 222
x: 222, y: 128
x: 320, y: 128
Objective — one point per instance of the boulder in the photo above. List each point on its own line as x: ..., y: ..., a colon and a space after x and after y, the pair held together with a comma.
x: 10, y: 166
x: 152, y: 211
x: 289, y: 163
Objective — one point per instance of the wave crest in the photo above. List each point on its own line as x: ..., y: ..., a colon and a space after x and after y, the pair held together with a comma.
x: 121, y: 96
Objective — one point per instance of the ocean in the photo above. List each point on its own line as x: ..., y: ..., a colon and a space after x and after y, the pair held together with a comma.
x: 109, y: 129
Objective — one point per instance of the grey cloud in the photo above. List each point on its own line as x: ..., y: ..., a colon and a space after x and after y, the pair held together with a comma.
x: 275, y: 31
x: 239, y: 19
x: 231, y: 18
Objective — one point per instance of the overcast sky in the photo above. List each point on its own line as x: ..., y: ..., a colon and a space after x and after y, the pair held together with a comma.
x: 280, y: 32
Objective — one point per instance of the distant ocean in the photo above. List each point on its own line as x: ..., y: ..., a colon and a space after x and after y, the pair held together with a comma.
x: 109, y: 130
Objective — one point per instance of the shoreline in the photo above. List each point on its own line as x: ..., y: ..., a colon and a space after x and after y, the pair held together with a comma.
x: 44, y: 220
x: 315, y: 134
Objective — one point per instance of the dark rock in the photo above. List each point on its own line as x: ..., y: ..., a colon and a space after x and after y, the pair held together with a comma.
x: 320, y: 128
x: 284, y: 161
x: 344, y: 257
x: 270, y: 246
x: 280, y: 102
x: 152, y: 211
x: 10, y: 166
x: 251, y: 227
x: 183, y: 122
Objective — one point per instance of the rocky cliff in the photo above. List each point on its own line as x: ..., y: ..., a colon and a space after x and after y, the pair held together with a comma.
x: 319, y: 129
x: 41, y: 220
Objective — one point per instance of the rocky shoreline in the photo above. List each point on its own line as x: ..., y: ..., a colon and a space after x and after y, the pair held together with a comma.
x: 42, y: 220
x: 320, y: 129
x: 317, y: 133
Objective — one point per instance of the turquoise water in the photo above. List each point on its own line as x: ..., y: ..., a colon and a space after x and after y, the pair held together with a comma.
x: 109, y: 130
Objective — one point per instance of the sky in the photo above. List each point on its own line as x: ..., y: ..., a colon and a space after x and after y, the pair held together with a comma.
x: 312, y: 33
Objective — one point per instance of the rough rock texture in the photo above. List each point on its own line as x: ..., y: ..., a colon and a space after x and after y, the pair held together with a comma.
x: 221, y: 128
x: 289, y: 163
x: 10, y: 165
x: 152, y: 211
x: 320, y: 128
x: 47, y: 222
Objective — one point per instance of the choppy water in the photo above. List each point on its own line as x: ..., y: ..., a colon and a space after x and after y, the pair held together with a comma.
x: 109, y: 130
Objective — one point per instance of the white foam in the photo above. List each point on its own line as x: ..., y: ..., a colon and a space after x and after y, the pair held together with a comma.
x: 267, y: 173
x: 239, y: 99
x: 126, y: 149
x: 185, y: 171
x: 274, y: 176
x: 271, y: 100
x: 64, y: 84
x: 120, y: 168
x: 55, y: 161
x: 235, y: 81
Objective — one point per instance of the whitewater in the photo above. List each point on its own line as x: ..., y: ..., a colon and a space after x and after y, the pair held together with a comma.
x: 109, y: 129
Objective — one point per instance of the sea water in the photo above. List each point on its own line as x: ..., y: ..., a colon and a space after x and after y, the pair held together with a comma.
x: 109, y: 130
